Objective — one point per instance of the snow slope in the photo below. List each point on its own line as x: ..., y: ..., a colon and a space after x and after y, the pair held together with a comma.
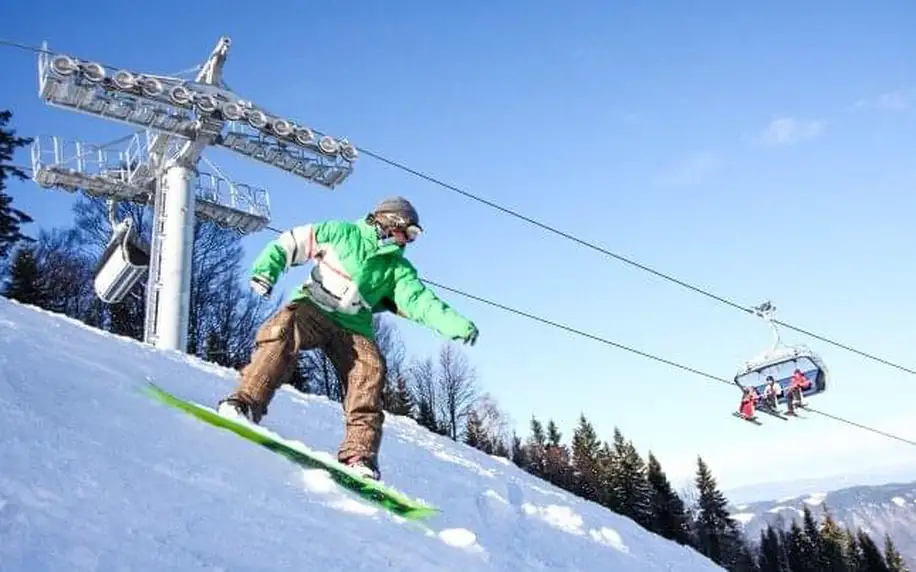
x: 95, y: 475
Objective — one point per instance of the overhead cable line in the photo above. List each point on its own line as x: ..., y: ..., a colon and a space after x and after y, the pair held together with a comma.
x: 644, y: 354
x: 580, y: 241
x: 647, y: 355
x: 621, y: 258
x: 701, y: 373
x: 608, y: 253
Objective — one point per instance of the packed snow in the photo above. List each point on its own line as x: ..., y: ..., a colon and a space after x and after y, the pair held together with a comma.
x: 780, y: 508
x: 815, y: 499
x: 98, y: 476
x: 743, y: 517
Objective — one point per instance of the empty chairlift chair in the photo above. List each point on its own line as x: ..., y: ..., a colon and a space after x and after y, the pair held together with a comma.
x: 124, y: 263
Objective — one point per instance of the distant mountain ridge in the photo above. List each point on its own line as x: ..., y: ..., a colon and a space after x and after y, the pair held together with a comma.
x: 876, y: 509
x: 898, y: 473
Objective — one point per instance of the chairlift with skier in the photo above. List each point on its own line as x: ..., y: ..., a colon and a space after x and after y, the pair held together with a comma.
x: 783, y: 374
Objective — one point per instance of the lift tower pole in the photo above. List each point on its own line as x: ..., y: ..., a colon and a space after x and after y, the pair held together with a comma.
x: 181, y: 119
x: 168, y: 290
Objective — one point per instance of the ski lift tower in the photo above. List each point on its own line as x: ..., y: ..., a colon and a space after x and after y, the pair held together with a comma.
x: 180, y: 118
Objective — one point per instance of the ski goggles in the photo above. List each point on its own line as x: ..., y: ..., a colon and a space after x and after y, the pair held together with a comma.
x: 396, y: 222
x: 412, y: 231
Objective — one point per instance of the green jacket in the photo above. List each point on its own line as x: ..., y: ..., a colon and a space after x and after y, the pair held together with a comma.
x: 353, y: 276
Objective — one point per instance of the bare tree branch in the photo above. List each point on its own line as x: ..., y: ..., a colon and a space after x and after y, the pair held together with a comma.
x: 496, y: 424
x: 422, y: 374
x: 457, y: 388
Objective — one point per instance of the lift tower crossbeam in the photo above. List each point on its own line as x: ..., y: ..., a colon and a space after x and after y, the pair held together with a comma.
x: 181, y: 119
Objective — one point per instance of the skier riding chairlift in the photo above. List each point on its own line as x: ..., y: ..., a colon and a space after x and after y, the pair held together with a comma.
x: 797, y: 384
x: 771, y: 393
x: 748, y: 400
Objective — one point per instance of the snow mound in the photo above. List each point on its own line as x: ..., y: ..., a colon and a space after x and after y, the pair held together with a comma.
x: 780, y: 508
x: 98, y: 476
x: 899, y: 501
x: 743, y: 517
x: 815, y: 499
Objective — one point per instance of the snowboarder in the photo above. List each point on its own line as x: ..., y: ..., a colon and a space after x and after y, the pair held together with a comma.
x: 360, y: 269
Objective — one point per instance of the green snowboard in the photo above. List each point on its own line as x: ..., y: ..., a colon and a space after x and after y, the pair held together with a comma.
x: 368, y: 489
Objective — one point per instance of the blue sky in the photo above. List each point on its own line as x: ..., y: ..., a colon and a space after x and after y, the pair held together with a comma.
x: 760, y: 151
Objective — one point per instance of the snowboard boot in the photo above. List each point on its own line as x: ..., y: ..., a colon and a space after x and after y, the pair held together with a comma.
x: 236, y: 407
x: 364, y: 466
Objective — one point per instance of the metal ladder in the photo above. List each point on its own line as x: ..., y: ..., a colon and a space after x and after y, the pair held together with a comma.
x: 154, y: 284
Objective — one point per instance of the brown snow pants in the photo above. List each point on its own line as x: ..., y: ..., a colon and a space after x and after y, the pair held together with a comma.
x: 301, y: 326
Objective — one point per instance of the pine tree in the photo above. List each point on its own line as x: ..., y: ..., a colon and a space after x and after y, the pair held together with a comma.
x: 716, y: 531
x: 400, y: 399
x: 556, y: 458
x: 426, y: 417
x: 606, y: 468
x: 803, y: 545
x: 474, y: 434
x: 871, y: 558
x: 25, y: 281
x: 631, y: 486
x: 609, y: 461
x: 500, y: 449
x: 813, y: 535
x: 771, y: 552
x: 800, y: 552
x: 585, y: 447
x: 766, y: 563
x: 215, y: 350
x: 554, y: 436
x: 892, y: 557
x: 832, y: 553
x: 744, y: 560
x: 535, y: 449
x: 518, y: 455
x: 853, y: 551
x: 10, y: 218
x: 669, y: 515
x: 94, y: 314
x: 556, y: 466
x: 782, y: 535
x: 122, y: 322
x: 299, y: 379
